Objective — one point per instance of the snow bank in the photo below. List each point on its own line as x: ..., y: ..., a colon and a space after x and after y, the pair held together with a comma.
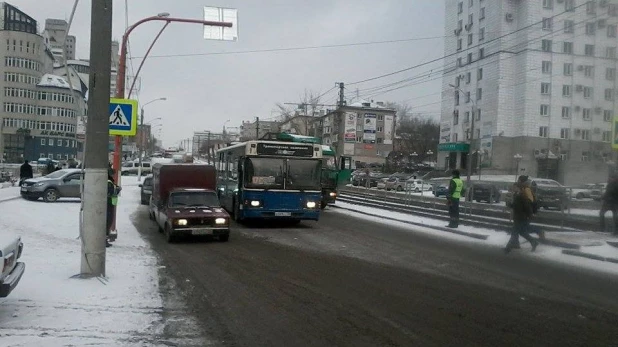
x: 49, y: 308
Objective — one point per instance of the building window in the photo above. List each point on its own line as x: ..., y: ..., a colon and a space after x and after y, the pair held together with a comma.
x: 566, y: 112
x: 456, y: 98
x: 470, y: 3
x: 567, y: 47
x: 546, y: 66
x: 569, y: 26
x: 379, y: 129
x: 588, y: 92
x: 478, y: 114
x: 482, y: 13
x: 568, y: 69
x: 468, y: 77
x: 359, y: 139
x: 610, y: 52
x: 43, y: 142
x: 564, y: 133
x: 566, y: 90
x: 569, y: 5
x: 591, y: 28
x: 455, y: 117
x: 460, y: 25
x: 481, y: 53
x: 589, y: 50
x: 610, y: 74
x: 587, y: 114
x: 543, y: 131
x: 459, y: 62
x: 470, y: 41
x: 546, y: 45
x: 548, y: 4
x: 607, y: 136
x: 609, y: 94
x: 586, y: 134
x: 611, y: 30
x: 459, y: 43
x: 379, y: 140
x: 612, y: 10
x: 51, y: 142
x: 467, y: 117
x: 547, y: 23
x: 380, y: 117
x: 608, y: 116
x: 589, y: 71
x: 545, y: 88
x: 469, y: 58
x: 460, y: 7
x: 470, y: 19
x: 591, y: 7
x: 481, y: 34
x: 479, y: 74
x: 467, y: 97
x: 544, y: 110
x: 479, y: 93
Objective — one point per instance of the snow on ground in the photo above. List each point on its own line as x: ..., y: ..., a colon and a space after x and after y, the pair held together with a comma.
x: 495, y: 238
x: 8, y: 193
x: 48, y: 308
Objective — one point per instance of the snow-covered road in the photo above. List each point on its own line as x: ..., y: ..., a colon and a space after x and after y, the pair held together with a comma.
x: 49, y: 308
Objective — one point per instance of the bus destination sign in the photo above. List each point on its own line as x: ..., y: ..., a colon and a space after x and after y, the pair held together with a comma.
x: 291, y: 150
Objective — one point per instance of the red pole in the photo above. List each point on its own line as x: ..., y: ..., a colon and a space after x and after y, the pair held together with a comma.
x: 122, y: 68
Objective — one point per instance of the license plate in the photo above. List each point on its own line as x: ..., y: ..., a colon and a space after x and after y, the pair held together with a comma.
x: 24, y: 189
x: 283, y: 214
x: 201, y: 232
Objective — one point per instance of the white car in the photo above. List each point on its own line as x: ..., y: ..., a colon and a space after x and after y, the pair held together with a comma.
x: 417, y: 185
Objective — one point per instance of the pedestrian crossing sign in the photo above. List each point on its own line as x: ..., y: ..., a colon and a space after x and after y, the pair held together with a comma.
x: 122, y: 117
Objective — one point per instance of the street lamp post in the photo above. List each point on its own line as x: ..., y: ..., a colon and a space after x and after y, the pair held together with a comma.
x: 430, y: 155
x: 517, y: 158
x: 141, y: 146
x: 469, y: 160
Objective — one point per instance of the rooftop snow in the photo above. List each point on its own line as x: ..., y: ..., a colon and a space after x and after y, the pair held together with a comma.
x: 49, y: 80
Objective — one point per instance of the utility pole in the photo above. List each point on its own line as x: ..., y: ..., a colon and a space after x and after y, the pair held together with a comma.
x: 257, y: 128
x: 208, y: 147
x: 97, y: 135
x: 341, y: 94
x: 139, y: 144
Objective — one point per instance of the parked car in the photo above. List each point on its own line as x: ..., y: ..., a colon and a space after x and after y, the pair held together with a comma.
x: 132, y: 168
x: 382, y: 183
x: 441, y: 190
x: 485, y: 192
x: 64, y: 183
x: 598, y: 191
x: 146, y: 190
x: 418, y: 185
x: 11, y: 270
x: 582, y: 192
x: 549, y: 194
x: 396, y: 182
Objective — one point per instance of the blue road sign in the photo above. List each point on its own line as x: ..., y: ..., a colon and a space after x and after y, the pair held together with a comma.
x: 122, y: 117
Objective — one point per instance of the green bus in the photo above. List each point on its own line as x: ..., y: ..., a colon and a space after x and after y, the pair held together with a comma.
x: 336, y: 170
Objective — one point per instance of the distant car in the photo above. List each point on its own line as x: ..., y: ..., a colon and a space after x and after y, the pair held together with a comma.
x: 146, y: 190
x: 417, y: 185
x: 59, y: 184
x: 11, y: 270
x: 441, y: 190
x: 382, y: 183
x: 485, y: 192
x: 397, y: 183
x: 549, y: 194
x: 598, y: 191
x: 584, y: 192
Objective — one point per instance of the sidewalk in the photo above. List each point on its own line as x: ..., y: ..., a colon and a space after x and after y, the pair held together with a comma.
x: 49, y: 308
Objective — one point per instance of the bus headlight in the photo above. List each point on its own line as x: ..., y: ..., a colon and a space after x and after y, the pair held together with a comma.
x: 311, y: 204
x: 333, y: 194
x: 220, y: 221
x: 255, y: 203
x: 181, y: 221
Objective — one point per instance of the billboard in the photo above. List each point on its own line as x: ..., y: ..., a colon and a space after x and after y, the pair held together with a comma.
x: 389, y: 125
x: 486, y: 144
x: 349, y: 134
x: 348, y: 149
x: 445, y: 132
x: 369, y: 128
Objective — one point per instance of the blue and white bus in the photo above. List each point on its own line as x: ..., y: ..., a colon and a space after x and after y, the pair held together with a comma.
x: 271, y: 180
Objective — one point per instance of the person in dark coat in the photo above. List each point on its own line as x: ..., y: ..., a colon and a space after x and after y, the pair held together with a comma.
x: 522, y: 213
x: 50, y: 167
x: 610, y: 202
x: 112, y: 201
x: 25, y: 172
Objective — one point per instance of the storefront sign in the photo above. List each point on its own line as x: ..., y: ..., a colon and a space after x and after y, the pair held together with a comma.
x: 56, y: 133
x: 454, y: 147
x: 350, y: 127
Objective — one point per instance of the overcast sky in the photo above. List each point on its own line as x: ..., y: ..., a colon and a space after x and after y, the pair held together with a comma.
x: 204, y: 91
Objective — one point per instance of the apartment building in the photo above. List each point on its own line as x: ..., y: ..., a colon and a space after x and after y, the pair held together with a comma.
x: 538, y: 81
x: 56, y: 37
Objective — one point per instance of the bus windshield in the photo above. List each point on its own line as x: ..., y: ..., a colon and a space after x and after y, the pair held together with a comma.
x: 329, y: 163
x: 279, y: 173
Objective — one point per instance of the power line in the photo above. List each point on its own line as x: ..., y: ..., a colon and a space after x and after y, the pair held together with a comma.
x: 456, y: 53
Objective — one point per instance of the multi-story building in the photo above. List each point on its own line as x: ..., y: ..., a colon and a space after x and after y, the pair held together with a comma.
x: 363, y: 130
x: 56, y: 37
x: 38, y: 114
x: 538, y: 81
x: 257, y: 129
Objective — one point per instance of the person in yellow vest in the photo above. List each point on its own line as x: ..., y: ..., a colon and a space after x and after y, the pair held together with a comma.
x: 112, y: 200
x: 455, y: 192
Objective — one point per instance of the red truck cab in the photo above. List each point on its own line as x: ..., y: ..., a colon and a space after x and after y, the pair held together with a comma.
x: 184, y: 202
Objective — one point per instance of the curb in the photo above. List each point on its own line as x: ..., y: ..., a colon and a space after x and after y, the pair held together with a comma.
x: 589, y: 256
x: 449, y: 230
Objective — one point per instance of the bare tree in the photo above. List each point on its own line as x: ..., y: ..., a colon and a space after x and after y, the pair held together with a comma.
x: 418, y: 135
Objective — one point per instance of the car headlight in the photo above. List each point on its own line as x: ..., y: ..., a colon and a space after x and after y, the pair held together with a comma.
x: 333, y: 194
x: 255, y: 203
x: 220, y: 221
x: 311, y: 204
x: 38, y: 184
x: 181, y: 222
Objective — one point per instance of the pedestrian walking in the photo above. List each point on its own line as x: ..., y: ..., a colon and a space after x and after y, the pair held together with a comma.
x: 112, y: 200
x: 610, y: 202
x: 25, y: 172
x: 522, y: 213
x: 455, y: 191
